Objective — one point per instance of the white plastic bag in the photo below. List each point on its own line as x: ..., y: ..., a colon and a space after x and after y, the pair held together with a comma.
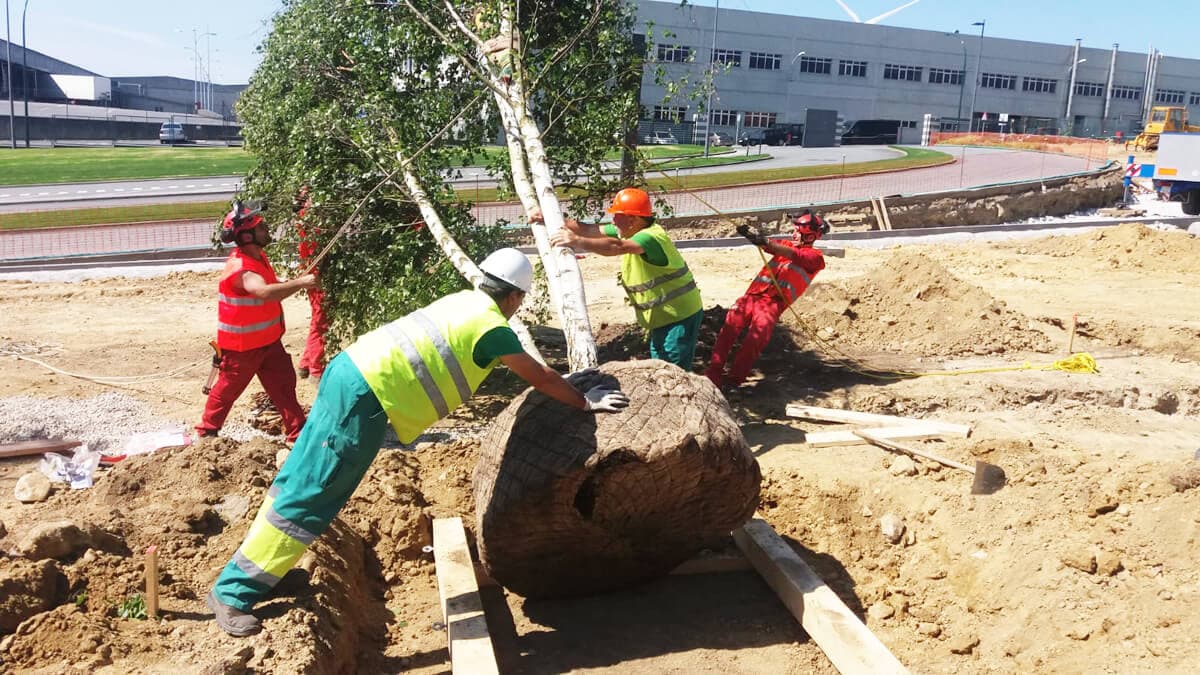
x: 149, y: 441
x: 76, y: 471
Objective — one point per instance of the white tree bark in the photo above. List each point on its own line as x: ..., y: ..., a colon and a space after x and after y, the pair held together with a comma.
x: 454, y: 252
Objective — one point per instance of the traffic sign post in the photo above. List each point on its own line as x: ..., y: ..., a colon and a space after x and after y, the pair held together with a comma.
x: 1131, y: 170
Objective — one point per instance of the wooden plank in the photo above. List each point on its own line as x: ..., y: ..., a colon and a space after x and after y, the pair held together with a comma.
x: 36, y: 447
x: 830, y: 439
x: 471, y: 649
x: 878, y: 218
x: 887, y: 220
x: 810, y: 412
x: 849, y: 644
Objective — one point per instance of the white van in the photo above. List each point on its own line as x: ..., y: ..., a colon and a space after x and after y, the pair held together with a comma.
x: 171, y: 133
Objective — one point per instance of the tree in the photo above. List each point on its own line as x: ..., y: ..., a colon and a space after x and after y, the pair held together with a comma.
x: 370, y: 106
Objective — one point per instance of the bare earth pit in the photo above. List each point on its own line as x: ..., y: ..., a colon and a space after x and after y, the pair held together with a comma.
x: 1085, y: 561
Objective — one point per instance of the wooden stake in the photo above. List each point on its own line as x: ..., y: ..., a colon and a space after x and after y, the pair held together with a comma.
x: 152, y: 582
x: 470, y: 644
x: 1071, y: 343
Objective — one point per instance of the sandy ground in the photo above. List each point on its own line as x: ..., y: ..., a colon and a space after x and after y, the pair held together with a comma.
x: 1085, y: 561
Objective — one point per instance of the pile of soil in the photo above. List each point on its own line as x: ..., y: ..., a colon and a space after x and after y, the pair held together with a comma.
x: 913, y: 304
x: 1126, y: 246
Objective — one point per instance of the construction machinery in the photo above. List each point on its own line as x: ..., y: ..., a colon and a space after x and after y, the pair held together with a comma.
x: 1177, y: 170
x: 1163, y: 119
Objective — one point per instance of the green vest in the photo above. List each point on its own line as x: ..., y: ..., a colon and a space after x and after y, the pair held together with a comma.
x: 421, y: 366
x: 660, y: 295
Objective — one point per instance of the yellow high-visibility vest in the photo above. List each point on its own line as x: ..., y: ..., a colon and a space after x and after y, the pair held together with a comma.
x: 660, y: 295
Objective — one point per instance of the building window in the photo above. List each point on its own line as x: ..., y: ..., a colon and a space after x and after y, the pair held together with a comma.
x: 994, y: 81
x: 669, y: 113
x: 674, y: 53
x: 726, y: 118
x: 729, y: 57
x: 759, y: 120
x: 852, y: 68
x: 892, y: 71
x: 762, y: 61
x: 908, y: 124
x: 1169, y: 96
x: 1039, y: 85
x: 809, y: 64
x: 1194, y: 99
x: 943, y: 76
x: 1129, y: 93
x: 1089, y: 89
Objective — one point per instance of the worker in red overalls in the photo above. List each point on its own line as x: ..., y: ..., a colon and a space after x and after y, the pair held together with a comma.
x: 250, y: 326
x: 778, y: 284
x: 312, y: 361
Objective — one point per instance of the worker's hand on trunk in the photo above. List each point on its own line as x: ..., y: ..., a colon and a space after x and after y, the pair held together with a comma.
x: 564, y: 237
x: 605, y: 399
x: 535, y: 215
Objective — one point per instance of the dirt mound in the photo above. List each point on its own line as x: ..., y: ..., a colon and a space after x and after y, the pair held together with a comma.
x: 1126, y: 246
x: 912, y: 304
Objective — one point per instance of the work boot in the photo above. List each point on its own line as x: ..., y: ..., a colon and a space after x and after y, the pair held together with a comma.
x: 233, y: 621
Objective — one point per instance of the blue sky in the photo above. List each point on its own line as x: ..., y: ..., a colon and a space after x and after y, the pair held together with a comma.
x: 154, y: 37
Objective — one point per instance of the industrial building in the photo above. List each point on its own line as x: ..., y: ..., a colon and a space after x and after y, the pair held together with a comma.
x: 769, y: 68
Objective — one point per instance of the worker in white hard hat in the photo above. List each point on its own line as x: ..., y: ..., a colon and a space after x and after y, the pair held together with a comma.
x: 410, y: 372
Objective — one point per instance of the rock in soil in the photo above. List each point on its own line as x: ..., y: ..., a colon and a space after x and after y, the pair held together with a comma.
x: 59, y: 539
x: 1081, y: 559
x: 892, y: 527
x: 32, y: 487
x: 28, y: 588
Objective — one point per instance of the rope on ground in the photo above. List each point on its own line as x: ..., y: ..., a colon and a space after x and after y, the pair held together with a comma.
x: 114, y: 380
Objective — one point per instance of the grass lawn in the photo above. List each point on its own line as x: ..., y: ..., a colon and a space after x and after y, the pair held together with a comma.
x: 38, y: 166
x: 118, y: 214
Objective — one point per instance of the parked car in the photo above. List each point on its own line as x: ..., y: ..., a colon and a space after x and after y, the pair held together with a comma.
x: 784, y: 134
x: 660, y: 138
x: 872, y: 132
x: 752, y: 138
x: 171, y: 133
x: 718, y: 138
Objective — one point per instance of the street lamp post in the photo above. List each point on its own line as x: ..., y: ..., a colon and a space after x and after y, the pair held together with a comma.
x: 962, y: 81
x: 978, y: 73
x: 25, y: 73
x: 712, y: 81
x: 12, y: 124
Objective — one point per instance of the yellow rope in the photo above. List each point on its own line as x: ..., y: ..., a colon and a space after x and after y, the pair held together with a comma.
x: 116, y: 380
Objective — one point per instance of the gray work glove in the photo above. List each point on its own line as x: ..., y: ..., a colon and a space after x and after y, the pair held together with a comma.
x: 752, y: 236
x: 605, y: 399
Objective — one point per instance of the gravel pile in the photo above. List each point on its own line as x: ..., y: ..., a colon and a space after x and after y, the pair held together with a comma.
x: 104, y: 422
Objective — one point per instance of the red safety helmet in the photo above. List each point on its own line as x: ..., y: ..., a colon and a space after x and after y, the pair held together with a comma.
x: 240, y: 219
x: 810, y: 226
x: 632, y: 202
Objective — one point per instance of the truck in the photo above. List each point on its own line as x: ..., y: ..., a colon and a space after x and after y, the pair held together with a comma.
x: 1177, y: 169
x: 1163, y: 119
x: 784, y: 134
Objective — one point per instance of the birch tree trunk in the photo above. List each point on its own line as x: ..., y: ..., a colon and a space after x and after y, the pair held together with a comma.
x: 461, y: 261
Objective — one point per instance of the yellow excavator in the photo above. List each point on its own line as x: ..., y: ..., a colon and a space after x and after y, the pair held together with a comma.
x: 1162, y: 118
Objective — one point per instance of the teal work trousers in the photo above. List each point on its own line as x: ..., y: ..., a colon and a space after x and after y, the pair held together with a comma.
x: 676, y: 342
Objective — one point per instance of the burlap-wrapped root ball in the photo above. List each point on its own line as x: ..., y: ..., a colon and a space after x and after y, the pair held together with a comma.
x: 570, y: 503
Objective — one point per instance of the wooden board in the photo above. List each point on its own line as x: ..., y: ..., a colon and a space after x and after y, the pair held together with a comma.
x: 849, y: 644
x: 810, y: 412
x: 471, y: 649
x: 830, y: 439
x: 25, y: 448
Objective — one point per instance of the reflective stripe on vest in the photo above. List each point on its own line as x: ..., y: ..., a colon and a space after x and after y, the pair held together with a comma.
x: 252, y: 328
x: 789, y: 275
x: 421, y: 366
x: 660, y: 295
x: 241, y: 302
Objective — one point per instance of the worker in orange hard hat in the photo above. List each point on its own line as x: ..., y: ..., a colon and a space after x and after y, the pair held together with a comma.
x: 656, y: 279
x: 250, y: 325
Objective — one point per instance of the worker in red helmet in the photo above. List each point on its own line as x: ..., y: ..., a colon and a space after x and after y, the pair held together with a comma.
x: 250, y: 326
x: 777, y: 285
x: 312, y: 359
x: 657, y: 280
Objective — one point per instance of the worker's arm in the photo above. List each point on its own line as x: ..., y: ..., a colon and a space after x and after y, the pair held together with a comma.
x: 575, y: 227
x: 550, y: 383
x: 601, y: 245
x: 253, y: 284
x: 779, y: 249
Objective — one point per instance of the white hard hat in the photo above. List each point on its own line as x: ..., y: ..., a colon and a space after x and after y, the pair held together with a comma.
x: 509, y: 264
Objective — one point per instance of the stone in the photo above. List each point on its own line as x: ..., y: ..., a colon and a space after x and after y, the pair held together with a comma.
x: 232, y: 508
x: 903, y: 466
x: 3, y: 529
x: 281, y: 457
x: 32, y: 487
x: 929, y: 629
x: 59, y: 539
x: 1081, y: 559
x: 1101, y: 503
x: 1108, y: 564
x: 880, y: 611
x: 963, y: 644
x: 892, y: 527
x: 1123, y: 510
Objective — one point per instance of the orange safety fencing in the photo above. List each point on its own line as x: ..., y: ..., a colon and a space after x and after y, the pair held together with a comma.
x: 1092, y: 149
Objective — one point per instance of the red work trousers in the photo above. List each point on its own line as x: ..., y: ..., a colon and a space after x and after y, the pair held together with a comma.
x: 313, y: 357
x: 273, y: 366
x: 757, y: 316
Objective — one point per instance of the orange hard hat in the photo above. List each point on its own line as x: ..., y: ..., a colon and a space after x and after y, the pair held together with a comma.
x: 631, y: 202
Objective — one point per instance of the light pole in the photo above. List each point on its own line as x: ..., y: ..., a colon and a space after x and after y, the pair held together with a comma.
x: 978, y: 73
x: 962, y: 81
x: 25, y: 73
x: 1068, y: 119
x: 12, y: 125
x: 712, y: 81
